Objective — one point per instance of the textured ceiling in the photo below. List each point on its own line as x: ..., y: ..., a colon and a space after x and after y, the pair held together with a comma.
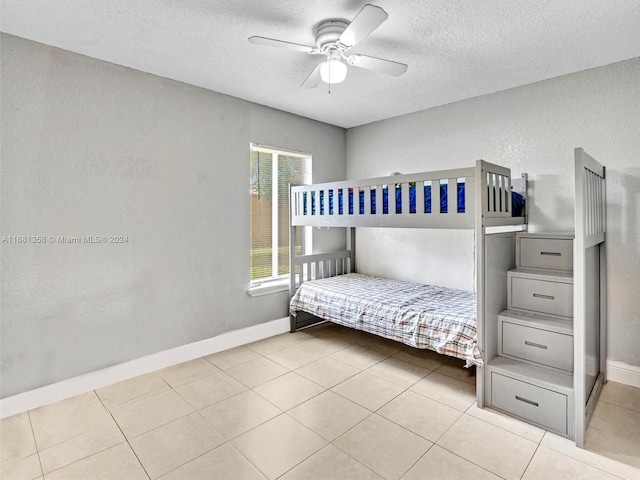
x: 455, y: 49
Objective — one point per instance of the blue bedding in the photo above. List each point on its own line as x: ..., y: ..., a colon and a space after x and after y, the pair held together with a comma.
x: 517, y: 200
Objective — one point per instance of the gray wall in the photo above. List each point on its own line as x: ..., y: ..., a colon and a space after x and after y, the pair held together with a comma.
x: 91, y: 148
x: 529, y: 129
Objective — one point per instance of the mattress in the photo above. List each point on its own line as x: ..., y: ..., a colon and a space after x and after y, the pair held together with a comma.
x: 422, y: 316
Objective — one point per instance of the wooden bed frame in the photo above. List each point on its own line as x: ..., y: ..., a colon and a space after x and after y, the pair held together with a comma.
x: 483, y: 213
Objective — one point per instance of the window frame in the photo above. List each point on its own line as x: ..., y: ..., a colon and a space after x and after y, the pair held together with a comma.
x: 277, y: 283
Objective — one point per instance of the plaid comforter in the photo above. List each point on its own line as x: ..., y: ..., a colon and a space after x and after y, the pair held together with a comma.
x: 422, y: 316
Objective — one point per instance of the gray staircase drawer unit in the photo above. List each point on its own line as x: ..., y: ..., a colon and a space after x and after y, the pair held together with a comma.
x: 536, y: 404
x: 552, y: 298
x: 539, y: 346
x: 547, y: 253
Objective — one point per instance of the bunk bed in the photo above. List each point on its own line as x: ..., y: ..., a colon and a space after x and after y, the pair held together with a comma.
x: 483, y: 198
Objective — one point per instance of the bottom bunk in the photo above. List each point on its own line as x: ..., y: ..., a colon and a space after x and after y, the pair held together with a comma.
x: 422, y: 316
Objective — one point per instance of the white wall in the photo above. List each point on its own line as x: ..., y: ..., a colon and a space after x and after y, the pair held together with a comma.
x: 91, y: 148
x: 531, y: 129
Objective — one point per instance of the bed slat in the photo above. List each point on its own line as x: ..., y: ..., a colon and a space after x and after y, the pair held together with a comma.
x: 367, y: 200
x: 435, y: 197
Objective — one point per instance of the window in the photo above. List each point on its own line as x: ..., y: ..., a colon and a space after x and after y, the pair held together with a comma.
x: 271, y: 173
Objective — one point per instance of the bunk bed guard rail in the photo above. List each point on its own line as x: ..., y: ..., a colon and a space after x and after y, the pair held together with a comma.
x: 441, y: 199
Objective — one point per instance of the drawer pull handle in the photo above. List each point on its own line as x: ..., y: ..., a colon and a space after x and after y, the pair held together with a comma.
x: 530, y: 402
x: 551, y: 254
x: 537, y: 345
x: 546, y: 297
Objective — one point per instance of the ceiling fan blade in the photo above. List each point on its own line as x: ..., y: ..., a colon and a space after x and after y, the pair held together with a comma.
x: 313, y: 80
x: 378, y: 65
x: 369, y: 18
x: 270, y: 42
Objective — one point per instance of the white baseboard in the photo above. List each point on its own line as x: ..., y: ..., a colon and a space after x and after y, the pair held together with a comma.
x: 623, y: 373
x: 100, y: 378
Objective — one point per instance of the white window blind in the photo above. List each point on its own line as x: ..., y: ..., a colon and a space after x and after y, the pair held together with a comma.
x: 272, y: 170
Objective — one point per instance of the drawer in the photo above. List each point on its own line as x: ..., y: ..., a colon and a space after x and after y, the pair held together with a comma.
x: 537, y: 404
x: 548, y: 253
x: 536, y: 345
x: 553, y: 298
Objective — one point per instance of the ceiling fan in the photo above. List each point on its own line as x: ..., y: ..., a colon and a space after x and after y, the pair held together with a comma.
x: 334, y: 38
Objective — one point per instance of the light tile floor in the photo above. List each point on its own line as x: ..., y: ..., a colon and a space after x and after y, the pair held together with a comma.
x: 324, y: 403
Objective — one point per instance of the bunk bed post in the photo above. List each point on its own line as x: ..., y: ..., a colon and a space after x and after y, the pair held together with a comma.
x: 603, y: 277
x: 351, y: 246
x: 603, y: 310
x: 579, y: 301
x: 292, y: 257
x: 589, y: 298
x: 523, y: 191
x: 480, y: 202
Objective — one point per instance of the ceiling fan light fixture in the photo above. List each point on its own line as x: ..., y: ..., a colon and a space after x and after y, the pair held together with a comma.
x: 334, y: 37
x: 333, y: 71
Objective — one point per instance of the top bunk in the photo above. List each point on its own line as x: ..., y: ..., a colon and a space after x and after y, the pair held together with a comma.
x: 464, y: 198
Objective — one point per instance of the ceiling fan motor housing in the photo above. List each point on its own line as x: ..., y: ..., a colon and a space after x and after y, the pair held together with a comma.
x: 328, y: 31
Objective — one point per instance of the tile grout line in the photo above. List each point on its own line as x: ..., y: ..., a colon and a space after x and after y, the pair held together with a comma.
x: 306, y: 458
x: 438, y: 401
x: 279, y: 415
x: 61, y: 442
x: 264, y: 474
x: 35, y: 442
x: 472, y: 462
x: 298, y: 404
x: 366, y: 408
x: 530, y: 460
x: 569, y: 457
x: 369, y: 416
x: 419, y: 458
x: 347, y: 453
x: 88, y: 456
x: 318, y: 451
x: 75, y: 436
x: 125, y: 437
x: 508, y: 431
x: 415, y: 433
x: 224, y: 370
x: 585, y: 463
x: 466, y: 459
x: 229, y: 440
x: 138, y: 397
x: 328, y: 388
x: 619, y: 406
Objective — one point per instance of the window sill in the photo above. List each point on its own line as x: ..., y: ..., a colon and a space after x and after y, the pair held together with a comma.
x: 268, y: 287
